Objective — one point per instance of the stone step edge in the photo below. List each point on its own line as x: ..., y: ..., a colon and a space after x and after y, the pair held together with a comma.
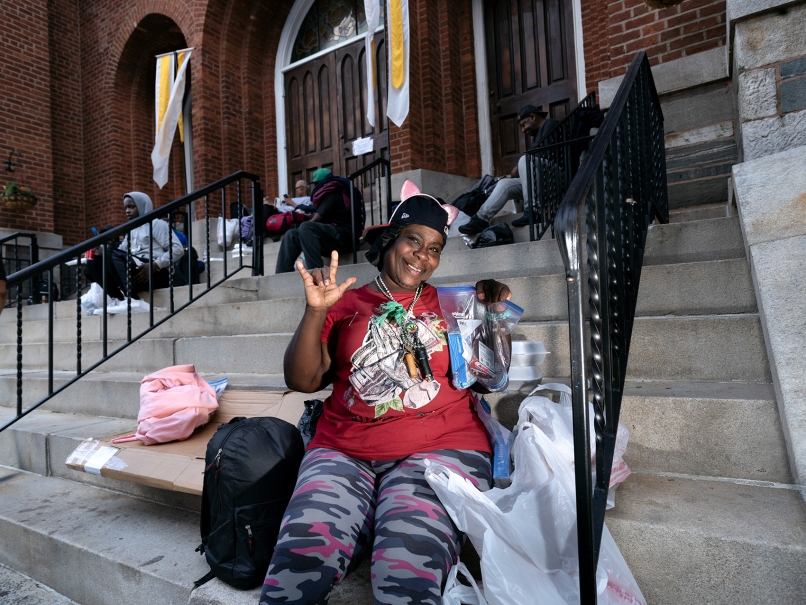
x: 550, y: 322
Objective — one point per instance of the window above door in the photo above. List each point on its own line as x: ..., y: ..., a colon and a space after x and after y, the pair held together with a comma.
x: 328, y: 23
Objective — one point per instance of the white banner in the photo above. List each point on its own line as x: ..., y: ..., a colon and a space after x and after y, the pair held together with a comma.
x: 169, y: 93
x: 397, y: 105
x: 372, y: 10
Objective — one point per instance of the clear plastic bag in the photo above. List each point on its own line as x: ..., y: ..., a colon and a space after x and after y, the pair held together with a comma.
x: 477, y: 337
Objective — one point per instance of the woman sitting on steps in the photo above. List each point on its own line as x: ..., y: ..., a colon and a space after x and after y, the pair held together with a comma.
x: 361, y: 487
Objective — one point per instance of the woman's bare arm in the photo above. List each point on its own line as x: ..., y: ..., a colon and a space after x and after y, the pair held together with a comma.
x: 307, y: 359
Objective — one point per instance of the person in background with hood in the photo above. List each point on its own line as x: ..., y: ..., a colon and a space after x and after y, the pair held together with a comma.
x: 152, y: 252
x: 158, y: 240
x: 329, y: 229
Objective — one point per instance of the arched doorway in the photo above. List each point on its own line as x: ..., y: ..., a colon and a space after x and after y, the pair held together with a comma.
x: 322, y: 108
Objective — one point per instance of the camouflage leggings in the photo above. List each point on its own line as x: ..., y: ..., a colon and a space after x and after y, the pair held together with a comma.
x: 340, y: 503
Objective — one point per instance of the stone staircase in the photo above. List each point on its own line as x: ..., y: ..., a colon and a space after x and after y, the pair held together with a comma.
x: 708, y: 516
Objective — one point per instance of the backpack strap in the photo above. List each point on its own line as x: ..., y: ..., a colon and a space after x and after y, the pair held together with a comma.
x: 204, y: 579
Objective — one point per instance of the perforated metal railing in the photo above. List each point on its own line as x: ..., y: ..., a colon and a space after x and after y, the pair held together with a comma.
x: 240, y: 186
x: 619, y: 189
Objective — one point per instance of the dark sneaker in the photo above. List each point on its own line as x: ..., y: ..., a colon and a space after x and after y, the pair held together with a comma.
x: 522, y: 221
x: 475, y: 225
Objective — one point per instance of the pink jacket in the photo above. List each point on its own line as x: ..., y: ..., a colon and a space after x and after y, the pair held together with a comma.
x: 174, y: 402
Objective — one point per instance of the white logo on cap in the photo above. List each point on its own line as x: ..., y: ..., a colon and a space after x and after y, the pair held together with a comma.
x: 404, y: 215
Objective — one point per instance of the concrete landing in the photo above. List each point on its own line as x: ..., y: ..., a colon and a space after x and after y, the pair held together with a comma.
x: 17, y: 589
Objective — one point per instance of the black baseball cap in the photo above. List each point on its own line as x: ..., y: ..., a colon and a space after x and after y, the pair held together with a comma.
x: 528, y: 110
x: 418, y: 209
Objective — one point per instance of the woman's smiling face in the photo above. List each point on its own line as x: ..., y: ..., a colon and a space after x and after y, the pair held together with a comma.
x: 412, y: 258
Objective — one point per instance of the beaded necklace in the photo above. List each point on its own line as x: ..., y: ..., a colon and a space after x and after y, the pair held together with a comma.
x: 415, y: 356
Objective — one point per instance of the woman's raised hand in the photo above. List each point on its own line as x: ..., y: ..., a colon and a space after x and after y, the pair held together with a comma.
x: 321, y: 288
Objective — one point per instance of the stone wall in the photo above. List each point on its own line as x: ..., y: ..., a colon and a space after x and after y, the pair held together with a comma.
x: 769, y: 66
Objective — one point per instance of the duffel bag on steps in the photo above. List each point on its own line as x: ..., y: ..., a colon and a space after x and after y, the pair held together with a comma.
x: 251, y: 468
x: 277, y: 224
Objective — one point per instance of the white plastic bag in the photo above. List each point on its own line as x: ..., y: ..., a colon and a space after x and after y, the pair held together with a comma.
x: 230, y: 227
x: 456, y: 593
x: 526, y: 533
x: 556, y: 422
x: 94, y: 299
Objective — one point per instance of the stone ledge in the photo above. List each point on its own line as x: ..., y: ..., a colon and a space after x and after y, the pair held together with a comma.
x: 771, y: 198
x: 680, y: 74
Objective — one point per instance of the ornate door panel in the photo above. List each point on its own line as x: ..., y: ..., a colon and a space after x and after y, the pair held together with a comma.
x: 351, y: 68
x: 311, y: 119
x: 326, y: 109
x: 530, y: 60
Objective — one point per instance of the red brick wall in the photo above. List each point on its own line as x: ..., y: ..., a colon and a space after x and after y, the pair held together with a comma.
x: 614, y: 30
x: 66, y: 118
x: 89, y: 65
x: 441, y: 131
x: 25, y: 111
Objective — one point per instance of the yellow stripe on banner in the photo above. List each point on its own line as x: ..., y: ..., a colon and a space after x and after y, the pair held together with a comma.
x: 181, y: 123
x: 165, y: 87
x: 398, y: 45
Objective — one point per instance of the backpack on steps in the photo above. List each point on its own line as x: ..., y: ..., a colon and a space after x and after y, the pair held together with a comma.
x: 250, y: 471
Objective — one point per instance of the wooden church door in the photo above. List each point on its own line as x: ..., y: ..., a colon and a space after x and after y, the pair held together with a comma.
x: 530, y: 60
x: 326, y: 108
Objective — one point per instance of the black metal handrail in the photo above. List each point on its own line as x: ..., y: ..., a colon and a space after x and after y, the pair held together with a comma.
x: 372, y: 180
x: 619, y: 188
x: 16, y: 260
x: 103, y: 243
x: 550, y: 168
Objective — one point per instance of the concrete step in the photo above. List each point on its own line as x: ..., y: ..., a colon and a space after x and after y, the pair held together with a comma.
x: 96, y: 546
x: 722, y: 286
x: 19, y: 589
x: 711, y: 429
x: 111, y: 394
x: 714, y: 239
x: 688, y: 540
x: 699, y: 348
x: 716, y: 429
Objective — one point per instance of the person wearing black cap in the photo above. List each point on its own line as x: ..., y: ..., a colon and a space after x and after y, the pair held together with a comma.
x: 361, y: 485
x: 533, y: 122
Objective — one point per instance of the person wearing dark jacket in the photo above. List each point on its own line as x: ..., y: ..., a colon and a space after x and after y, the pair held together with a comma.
x: 329, y: 229
x: 534, y: 123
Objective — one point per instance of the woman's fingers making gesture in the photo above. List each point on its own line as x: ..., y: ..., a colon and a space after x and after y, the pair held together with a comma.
x: 322, y: 291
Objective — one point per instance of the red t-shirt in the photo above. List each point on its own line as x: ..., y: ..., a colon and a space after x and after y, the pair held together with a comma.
x: 376, y: 411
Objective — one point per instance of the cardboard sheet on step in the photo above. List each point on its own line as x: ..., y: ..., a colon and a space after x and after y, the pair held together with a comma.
x: 178, y: 466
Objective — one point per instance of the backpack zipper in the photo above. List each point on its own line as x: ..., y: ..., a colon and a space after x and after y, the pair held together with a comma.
x: 217, y: 460
x: 249, y: 542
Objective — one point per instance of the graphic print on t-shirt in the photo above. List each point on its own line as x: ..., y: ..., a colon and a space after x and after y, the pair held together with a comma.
x: 379, y: 375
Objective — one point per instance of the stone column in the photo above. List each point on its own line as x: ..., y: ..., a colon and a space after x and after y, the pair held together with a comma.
x: 768, y: 46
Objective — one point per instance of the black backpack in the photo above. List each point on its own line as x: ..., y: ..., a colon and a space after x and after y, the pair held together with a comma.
x: 470, y: 202
x: 498, y: 234
x: 181, y: 268
x: 250, y: 472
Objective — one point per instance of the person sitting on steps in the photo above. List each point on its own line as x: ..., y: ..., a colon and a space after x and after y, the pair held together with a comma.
x: 152, y: 257
x: 534, y: 123
x: 328, y: 230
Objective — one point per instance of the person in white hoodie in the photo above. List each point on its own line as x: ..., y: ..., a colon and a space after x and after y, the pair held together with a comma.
x: 152, y: 252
